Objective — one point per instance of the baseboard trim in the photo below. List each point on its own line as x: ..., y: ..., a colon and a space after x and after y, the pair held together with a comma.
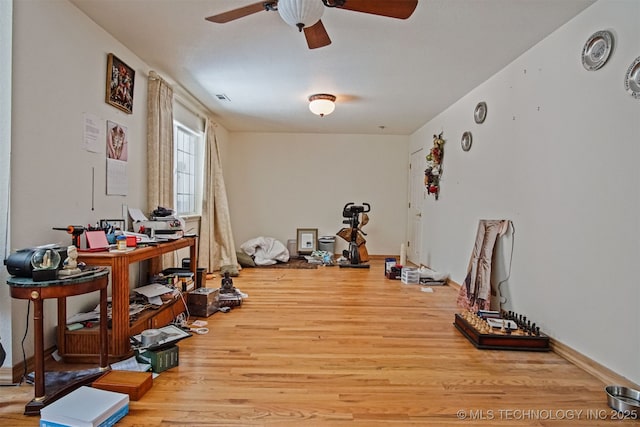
x: 382, y: 257
x: 604, y: 374
x: 14, y: 374
x: 6, y: 376
x: 453, y: 283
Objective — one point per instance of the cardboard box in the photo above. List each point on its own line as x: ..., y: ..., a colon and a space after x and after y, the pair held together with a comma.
x: 135, y: 384
x: 160, y: 360
x: 202, y: 302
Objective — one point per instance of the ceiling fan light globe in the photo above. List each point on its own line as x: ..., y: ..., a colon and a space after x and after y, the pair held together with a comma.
x: 322, y: 104
x: 300, y: 12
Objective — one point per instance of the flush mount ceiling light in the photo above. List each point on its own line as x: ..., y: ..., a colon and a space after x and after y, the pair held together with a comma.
x: 322, y: 104
x: 300, y: 13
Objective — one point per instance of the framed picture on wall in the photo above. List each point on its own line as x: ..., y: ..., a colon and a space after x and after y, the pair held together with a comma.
x: 307, y: 240
x: 120, y: 80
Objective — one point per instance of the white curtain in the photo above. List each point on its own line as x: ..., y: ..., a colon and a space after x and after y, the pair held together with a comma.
x: 159, y: 143
x: 160, y: 148
x: 216, y: 245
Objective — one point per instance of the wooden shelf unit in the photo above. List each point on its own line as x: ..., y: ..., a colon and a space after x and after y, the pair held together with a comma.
x: 81, y: 346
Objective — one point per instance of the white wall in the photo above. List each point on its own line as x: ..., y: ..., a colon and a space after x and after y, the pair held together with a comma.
x: 59, y: 73
x: 280, y: 182
x: 558, y: 156
x: 6, y: 14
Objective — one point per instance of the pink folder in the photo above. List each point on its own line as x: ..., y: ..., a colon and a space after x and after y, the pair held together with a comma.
x: 96, y: 241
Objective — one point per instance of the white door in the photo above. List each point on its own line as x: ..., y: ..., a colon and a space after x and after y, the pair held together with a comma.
x: 416, y: 197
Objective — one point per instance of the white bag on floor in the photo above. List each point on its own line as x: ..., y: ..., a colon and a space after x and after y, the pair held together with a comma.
x: 266, y: 250
x: 427, y: 273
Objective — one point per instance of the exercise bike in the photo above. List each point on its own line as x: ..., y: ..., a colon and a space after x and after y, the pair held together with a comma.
x: 353, y: 235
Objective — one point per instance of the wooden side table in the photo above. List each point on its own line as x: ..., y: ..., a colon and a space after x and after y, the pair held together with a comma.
x: 118, y: 262
x: 26, y: 288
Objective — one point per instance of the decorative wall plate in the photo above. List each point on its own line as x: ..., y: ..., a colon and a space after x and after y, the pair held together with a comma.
x: 480, y: 113
x: 465, y: 142
x: 596, y: 50
x: 632, y: 79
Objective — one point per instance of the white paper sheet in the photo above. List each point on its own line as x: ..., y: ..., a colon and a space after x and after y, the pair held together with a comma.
x: 137, y: 215
x: 153, y: 290
x: 117, y: 181
x: 93, y: 135
x: 130, y: 364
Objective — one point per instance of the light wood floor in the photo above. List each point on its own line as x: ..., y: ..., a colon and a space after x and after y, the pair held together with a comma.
x: 348, y: 347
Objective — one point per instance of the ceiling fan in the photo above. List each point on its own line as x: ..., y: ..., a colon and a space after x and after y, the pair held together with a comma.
x: 306, y: 14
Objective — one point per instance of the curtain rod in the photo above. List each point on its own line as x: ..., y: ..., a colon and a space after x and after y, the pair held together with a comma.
x: 198, y: 109
x: 155, y: 76
x: 189, y: 106
x: 184, y: 98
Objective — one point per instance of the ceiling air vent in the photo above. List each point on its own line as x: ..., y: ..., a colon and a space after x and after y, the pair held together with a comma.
x: 222, y: 97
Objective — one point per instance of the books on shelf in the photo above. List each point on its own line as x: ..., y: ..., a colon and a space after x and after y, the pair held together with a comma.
x: 181, y: 278
x: 86, y: 407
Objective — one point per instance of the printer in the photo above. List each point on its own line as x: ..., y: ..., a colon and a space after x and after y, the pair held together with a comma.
x: 172, y: 224
x: 164, y: 224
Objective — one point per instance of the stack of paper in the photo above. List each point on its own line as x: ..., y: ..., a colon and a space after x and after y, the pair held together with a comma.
x: 153, y: 292
x: 86, y: 407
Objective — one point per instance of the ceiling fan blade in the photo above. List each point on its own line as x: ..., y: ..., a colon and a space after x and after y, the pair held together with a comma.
x: 240, y: 12
x: 316, y: 36
x: 401, y: 9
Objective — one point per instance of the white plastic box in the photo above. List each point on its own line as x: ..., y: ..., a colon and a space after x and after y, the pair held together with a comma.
x: 410, y: 275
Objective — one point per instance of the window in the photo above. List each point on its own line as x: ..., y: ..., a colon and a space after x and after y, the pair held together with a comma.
x: 188, y: 170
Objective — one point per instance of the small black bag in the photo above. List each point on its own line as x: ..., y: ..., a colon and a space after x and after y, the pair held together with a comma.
x: 162, y: 212
x: 2, y: 354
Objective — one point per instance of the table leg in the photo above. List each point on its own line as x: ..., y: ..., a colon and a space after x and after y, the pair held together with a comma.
x: 104, y: 337
x: 193, y: 255
x: 62, y: 320
x: 48, y: 387
x: 38, y: 402
x: 120, y: 345
x: 38, y: 348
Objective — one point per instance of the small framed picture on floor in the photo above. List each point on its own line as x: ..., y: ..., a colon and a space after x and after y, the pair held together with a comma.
x: 307, y: 240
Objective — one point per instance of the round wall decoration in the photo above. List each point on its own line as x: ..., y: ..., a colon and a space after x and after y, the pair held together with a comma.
x: 596, y: 50
x: 632, y: 79
x: 480, y: 113
x: 465, y: 142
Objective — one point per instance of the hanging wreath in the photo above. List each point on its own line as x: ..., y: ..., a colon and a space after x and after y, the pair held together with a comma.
x: 433, y: 172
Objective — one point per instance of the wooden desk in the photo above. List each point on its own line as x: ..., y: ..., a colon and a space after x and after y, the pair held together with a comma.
x: 26, y: 288
x: 121, y: 330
